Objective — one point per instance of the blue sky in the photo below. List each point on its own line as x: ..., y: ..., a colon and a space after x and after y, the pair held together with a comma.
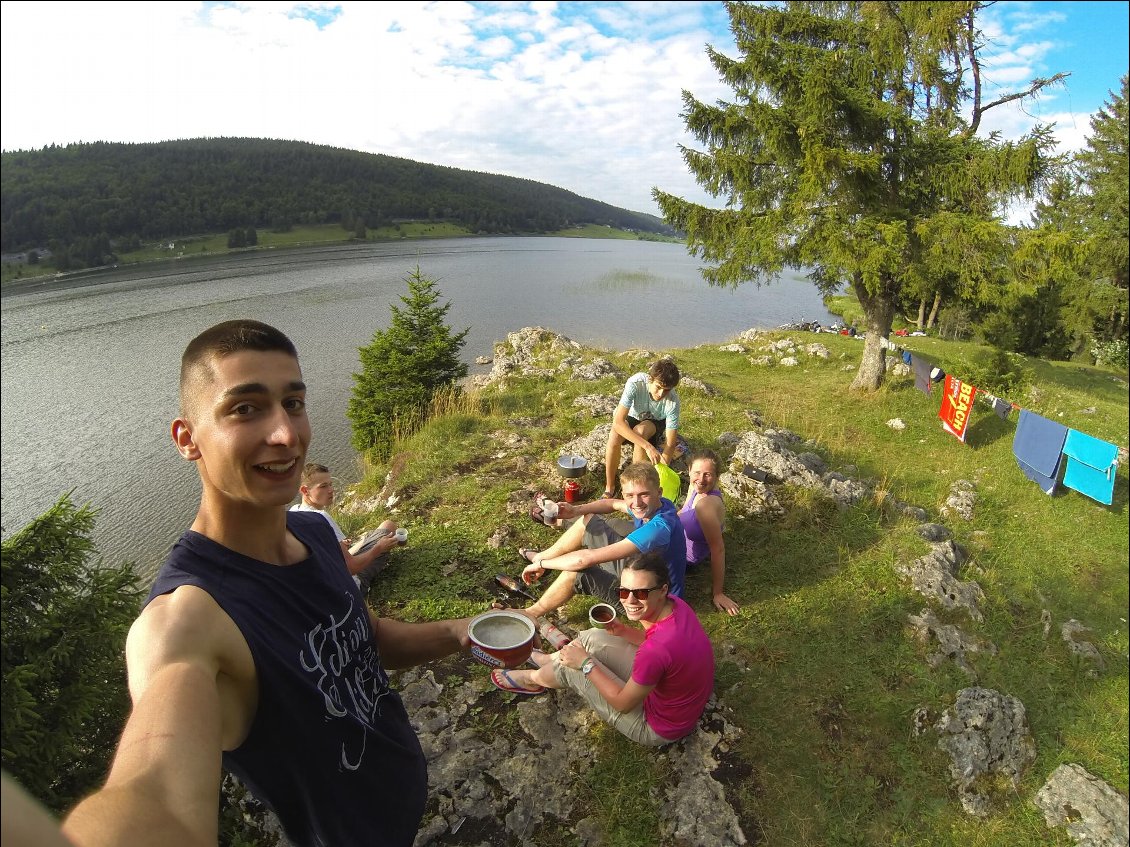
x: 585, y: 96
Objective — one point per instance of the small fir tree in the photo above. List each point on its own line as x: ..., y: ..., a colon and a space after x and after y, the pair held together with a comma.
x: 404, y: 365
x: 64, y: 622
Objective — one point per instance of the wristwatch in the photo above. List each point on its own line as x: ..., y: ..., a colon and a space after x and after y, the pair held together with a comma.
x: 587, y: 665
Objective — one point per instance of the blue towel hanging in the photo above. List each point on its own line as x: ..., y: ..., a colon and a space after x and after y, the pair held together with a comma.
x: 1091, y: 465
x: 1038, y: 448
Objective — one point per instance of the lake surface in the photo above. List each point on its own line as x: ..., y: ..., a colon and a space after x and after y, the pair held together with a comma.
x: 89, y: 372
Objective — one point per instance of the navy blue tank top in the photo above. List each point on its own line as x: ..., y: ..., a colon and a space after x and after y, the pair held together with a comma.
x: 331, y: 750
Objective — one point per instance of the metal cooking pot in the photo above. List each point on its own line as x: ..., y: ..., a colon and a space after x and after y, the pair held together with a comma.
x: 572, y: 467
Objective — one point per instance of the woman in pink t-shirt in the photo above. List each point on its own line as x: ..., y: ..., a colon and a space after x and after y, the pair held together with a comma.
x: 651, y: 684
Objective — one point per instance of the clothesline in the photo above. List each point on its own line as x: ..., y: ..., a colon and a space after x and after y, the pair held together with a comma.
x: 1039, y: 444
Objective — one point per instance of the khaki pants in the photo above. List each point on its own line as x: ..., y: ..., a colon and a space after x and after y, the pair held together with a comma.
x: 617, y: 656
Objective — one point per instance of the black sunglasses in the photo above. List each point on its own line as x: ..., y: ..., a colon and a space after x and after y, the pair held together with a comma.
x: 638, y: 593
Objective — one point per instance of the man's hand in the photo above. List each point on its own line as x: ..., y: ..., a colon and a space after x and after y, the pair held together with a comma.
x: 652, y: 453
x: 532, y: 572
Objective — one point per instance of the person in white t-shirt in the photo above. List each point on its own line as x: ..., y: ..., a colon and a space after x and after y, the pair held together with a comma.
x: 647, y: 416
x: 317, y: 491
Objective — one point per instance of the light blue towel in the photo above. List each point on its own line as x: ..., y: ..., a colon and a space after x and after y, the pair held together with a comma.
x: 1091, y: 465
x: 1038, y: 448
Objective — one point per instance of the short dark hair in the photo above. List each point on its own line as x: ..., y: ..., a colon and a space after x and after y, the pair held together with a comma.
x: 227, y: 338
x: 652, y: 562
x: 311, y: 468
x: 665, y: 372
x: 701, y: 454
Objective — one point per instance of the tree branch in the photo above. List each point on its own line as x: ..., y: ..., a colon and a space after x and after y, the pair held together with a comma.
x: 1037, y: 84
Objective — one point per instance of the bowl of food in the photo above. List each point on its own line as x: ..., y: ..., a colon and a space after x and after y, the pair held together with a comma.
x: 501, y: 638
x: 572, y: 466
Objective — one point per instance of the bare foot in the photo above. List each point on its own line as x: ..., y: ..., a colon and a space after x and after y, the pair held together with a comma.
x: 540, y: 658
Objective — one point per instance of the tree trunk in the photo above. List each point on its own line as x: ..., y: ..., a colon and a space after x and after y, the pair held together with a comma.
x: 934, y: 311
x: 879, y: 314
x: 921, y: 313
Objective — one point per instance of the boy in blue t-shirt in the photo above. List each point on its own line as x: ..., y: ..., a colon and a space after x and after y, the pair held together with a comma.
x: 591, y: 553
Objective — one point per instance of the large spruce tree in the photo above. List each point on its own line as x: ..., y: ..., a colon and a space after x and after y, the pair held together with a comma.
x: 850, y: 150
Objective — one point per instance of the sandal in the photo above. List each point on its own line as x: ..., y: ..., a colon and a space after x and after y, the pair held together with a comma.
x: 607, y: 495
x: 528, y: 554
x: 504, y: 682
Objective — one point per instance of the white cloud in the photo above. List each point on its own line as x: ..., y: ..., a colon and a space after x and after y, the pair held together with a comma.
x: 583, y: 96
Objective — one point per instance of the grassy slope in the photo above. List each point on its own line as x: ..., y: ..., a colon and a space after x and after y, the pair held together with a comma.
x: 819, y: 669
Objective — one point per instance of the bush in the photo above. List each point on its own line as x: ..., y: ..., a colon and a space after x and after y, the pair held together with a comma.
x: 999, y: 372
x: 1113, y: 354
x: 404, y: 366
x: 64, y: 622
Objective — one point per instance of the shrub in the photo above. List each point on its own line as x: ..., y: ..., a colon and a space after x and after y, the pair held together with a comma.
x: 1113, y: 354
x: 64, y: 622
x: 404, y: 366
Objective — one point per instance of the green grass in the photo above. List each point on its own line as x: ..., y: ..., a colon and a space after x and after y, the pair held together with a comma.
x: 819, y: 669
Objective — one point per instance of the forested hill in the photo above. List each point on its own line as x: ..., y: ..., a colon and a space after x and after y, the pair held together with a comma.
x: 126, y: 192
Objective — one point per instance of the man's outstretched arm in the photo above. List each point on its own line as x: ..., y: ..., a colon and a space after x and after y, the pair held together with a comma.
x: 164, y: 782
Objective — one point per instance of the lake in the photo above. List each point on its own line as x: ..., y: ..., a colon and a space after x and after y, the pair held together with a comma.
x: 90, y: 370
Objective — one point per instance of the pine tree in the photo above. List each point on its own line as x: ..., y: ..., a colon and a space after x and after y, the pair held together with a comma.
x: 404, y: 365
x: 1104, y: 166
x: 65, y: 618
x: 850, y: 151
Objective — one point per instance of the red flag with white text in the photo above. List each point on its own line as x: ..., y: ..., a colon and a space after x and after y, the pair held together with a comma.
x: 957, y: 403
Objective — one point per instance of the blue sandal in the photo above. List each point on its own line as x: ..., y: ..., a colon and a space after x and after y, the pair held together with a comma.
x: 504, y: 682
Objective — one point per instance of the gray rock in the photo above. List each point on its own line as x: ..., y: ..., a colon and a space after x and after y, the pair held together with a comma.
x: 934, y: 532
x: 697, y: 385
x: 509, y: 785
x: 788, y: 362
x: 935, y: 576
x: 732, y: 348
x: 1094, y: 814
x: 747, y: 496
x: 985, y: 734
x: 960, y: 501
x: 598, y: 405
x: 915, y: 512
x: 952, y: 642
x: 1071, y: 632
x: 596, y: 369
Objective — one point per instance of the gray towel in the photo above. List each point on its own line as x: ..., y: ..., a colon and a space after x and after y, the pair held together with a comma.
x: 922, y: 370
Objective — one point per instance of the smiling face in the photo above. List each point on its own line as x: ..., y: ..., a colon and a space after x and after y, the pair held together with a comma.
x: 704, y: 476
x: 246, y: 428
x: 642, y: 498
x: 649, y: 608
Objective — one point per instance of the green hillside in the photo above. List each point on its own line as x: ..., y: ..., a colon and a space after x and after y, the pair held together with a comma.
x: 92, y: 202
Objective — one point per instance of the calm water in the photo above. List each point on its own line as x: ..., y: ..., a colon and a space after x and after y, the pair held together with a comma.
x: 89, y: 373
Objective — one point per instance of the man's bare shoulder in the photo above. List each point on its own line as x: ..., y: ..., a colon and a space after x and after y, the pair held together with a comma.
x: 186, y: 624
